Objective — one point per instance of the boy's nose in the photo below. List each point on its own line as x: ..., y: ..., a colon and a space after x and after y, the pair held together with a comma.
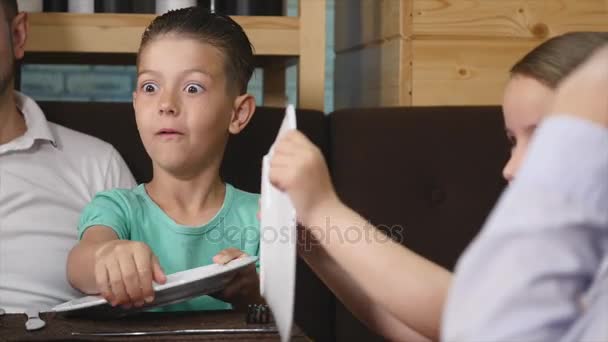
x: 168, y: 105
x: 166, y: 109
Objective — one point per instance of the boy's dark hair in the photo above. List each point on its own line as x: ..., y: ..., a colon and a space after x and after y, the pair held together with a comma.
x: 217, y: 30
x: 553, y: 60
x: 10, y: 8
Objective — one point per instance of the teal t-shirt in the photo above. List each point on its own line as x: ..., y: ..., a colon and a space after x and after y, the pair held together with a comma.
x: 134, y: 216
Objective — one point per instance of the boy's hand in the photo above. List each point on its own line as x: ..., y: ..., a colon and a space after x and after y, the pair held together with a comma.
x: 583, y: 93
x: 124, y: 271
x: 298, y: 168
x: 244, y: 288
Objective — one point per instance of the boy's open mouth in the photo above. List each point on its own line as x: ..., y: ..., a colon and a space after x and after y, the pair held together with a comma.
x: 168, y: 132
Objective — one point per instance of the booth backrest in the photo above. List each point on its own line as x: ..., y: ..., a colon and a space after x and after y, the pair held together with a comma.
x: 115, y: 123
x: 428, y: 176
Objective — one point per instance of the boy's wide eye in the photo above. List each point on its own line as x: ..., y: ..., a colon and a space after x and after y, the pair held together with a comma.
x: 149, y: 87
x: 193, y: 88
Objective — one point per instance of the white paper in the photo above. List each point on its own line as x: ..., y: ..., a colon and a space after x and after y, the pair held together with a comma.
x: 30, y: 5
x: 164, y: 6
x: 278, y: 243
x: 81, y: 6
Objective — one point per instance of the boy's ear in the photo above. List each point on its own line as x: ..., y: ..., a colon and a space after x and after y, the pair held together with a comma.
x: 242, y: 112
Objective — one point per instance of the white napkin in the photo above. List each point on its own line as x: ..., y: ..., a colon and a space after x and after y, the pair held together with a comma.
x: 278, y: 243
x: 81, y: 6
x: 30, y: 5
x: 164, y: 6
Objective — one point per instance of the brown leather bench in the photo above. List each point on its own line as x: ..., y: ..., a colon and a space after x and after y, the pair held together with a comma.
x: 430, y: 173
x: 115, y: 123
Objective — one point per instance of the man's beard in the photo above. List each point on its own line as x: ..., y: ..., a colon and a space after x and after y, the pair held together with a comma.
x: 7, y: 76
x: 7, y: 72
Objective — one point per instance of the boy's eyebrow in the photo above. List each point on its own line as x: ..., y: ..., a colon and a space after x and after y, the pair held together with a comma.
x: 141, y: 72
x: 200, y: 71
x: 187, y: 71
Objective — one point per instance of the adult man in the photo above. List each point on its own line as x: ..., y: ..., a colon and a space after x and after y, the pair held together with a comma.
x: 47, y: 175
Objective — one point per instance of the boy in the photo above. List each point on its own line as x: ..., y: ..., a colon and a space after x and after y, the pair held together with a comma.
x: 193, y: 68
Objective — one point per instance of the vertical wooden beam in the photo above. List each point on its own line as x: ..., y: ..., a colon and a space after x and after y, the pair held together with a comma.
x: 274, y: 84
x: 406, y: 72
x: 311, y: 66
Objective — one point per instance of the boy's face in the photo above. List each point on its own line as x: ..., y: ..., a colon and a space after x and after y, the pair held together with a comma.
x: 182, y: 106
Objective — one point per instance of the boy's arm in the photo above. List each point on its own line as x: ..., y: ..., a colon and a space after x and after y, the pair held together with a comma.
x: 121, y: 271
x: 105, y: 261
x: 81, y: 260
x: 244, y: 288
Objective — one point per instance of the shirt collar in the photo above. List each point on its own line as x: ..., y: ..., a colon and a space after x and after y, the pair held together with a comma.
x: 37, y: 126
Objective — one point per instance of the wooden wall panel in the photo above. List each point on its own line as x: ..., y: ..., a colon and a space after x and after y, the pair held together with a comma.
x: 463, y: 49
x: 373, y: 54
x: 311, y: 87
x: 463, y: 72
x: 121, y: 33
x: 521, y: 19
x: 373, y: 76
x: 453, y: 52
x: 362, y: 22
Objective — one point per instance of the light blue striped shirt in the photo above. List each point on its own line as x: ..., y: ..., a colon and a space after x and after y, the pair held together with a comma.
x: 539, y: 269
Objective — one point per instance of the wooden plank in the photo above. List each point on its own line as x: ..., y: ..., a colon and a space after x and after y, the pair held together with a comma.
x: 406, y: 64
x: 474, y: 72
x: 274, y: 85
x: 366, y: 71
x: 407, y: 18
x: 272, y: 36
x: 362, y: 22
x: 537, y: 19
x: 311, y: 66
x: 121, y: 33
x: 358, y: 98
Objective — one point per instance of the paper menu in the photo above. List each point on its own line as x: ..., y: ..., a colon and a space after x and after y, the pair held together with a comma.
x: 278, y: 242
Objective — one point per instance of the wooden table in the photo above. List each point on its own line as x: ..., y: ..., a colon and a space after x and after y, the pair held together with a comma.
x: 58, y: 328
